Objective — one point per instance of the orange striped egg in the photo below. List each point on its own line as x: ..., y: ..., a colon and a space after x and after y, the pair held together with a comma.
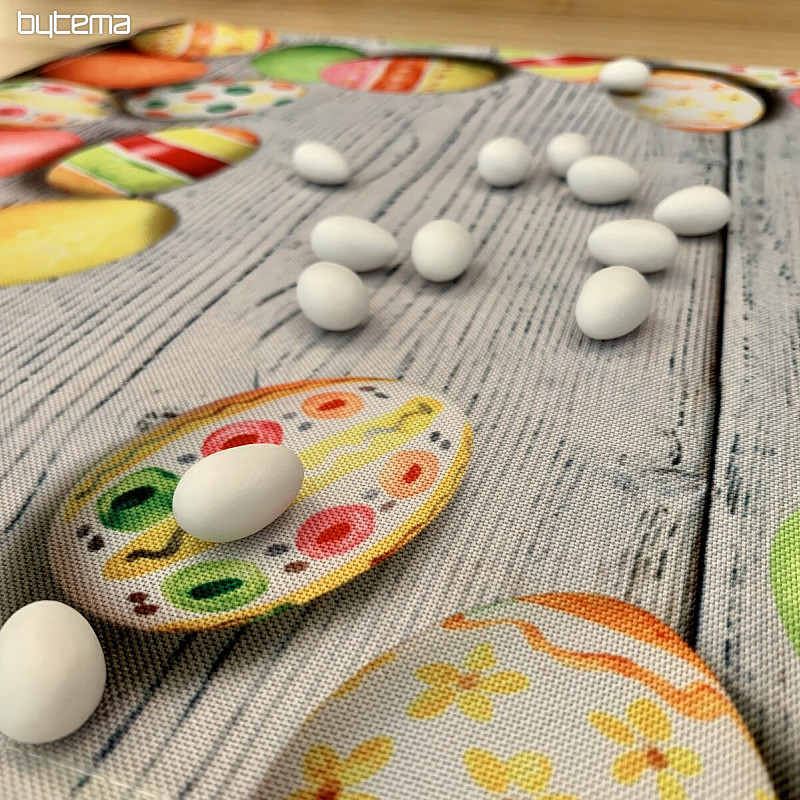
x: 148, y: 163
x: 193, y: 41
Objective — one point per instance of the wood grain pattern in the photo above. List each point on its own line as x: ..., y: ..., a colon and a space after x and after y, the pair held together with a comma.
x: 735, y: 31
x: 590, y: 470
x: 756, y: 482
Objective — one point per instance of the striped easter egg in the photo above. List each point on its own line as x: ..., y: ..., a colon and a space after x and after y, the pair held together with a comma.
x: 37, y: 103
x: 148, y: 163
x: 193, y: 41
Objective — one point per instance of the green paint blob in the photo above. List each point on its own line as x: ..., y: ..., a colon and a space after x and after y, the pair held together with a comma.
x: 138, y: 501
x: 239, y: 90
x: 301, y: 64
x: 215, y: 586
x: 785, y: 576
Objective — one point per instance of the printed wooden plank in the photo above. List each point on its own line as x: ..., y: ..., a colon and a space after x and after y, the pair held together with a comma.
x: 756, y: 483
x: 591, y: 459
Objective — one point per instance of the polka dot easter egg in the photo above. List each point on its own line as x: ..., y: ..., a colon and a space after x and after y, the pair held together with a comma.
x: 559, y: 696
x: 689, y: 101
x: 144, y: 164
x: 217, y: 99
x: 193, y: 41
x: 381, y: 460
x: 35, y: 103
x: 410, y: 74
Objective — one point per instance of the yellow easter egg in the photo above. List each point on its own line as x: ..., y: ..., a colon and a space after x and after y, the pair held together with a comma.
x: 40, y: 241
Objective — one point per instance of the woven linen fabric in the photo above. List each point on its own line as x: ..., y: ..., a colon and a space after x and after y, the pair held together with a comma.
x: 619, y: 469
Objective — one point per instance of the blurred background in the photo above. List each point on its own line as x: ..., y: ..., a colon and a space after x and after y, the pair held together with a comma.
x: 759, y: 32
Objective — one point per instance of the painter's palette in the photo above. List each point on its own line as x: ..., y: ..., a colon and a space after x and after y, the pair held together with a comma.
x: 381, y: 460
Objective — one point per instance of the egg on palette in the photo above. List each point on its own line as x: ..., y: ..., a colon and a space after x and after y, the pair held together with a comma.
x: 645, y: 245
x: 612, y: 303
x: 694, y: 211
x: 441, y: 250
x: 381, y: 459
x: 552, y: 696
x: 193, y: 41
x: 54, y: 238
x: 353, y: 242
x: 52, y: 672
x: 24, y: 150
x: 145, y: 164
x: 118, y: 69
x: 625, y: 76
x: 331, y: 296
x: 504, y: 161
x: 602, y: 180
x: 237, y: 491
x: 303, y: 63
x: 564, y: 150
x: 214, y: 99
x: 319, y: 163
x: 39, y: 103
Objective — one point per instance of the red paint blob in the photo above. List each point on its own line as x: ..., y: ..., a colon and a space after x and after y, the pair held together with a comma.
x: 250, y: 431
x: 335, y: 531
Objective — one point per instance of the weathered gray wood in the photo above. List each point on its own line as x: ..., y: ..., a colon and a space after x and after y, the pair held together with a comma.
x: 756, y: 483
x: 591, y: 459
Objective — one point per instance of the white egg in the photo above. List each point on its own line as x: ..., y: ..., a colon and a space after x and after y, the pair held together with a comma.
x: 441, y: 250
x: 625, y: 76
x: 236, y: 492
x: 614, y: 301
x: 52, y: 672
x: 353, y: 242
x: 602, y: 180
x: 333, y: 297
x: 504, y: 161
x: 564, y: 150
x: 639, y: 243
x: 694, y: 211
x: 318, y: 163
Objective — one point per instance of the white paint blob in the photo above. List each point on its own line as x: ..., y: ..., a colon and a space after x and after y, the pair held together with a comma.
x: 564, y: 150
x: 602, y: 180
x: 613, y: 302
x: 353, y: 242
x: 319, y: 163
x: 504, y: 162
x: 694, y: 211
x: 625, y: 76
x: 52, y: 672
x: 333, y: 297
x: 639, y: 243
x: 442, y: 250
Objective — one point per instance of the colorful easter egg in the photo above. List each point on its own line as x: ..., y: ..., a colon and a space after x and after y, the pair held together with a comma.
x: 554, y: 696
x: 24, y: 150
x: 303, y: 63
x: 114, y: 69
x: 37, y: 103
x: 156, y: 162
x: 690, y: 101
x: 785, y: 576
x: 766, y: 77
x: 410, y: 74
x: 381, y: 459
x: 40, y: 241
x: 193, y: 41
x: 216, y: 99
x: 559, y: 66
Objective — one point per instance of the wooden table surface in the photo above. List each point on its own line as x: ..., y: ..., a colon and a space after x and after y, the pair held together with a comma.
x: 726, y: 30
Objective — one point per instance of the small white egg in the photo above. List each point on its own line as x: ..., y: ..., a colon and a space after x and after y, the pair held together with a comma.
x: 319, y: 163
x: 602, y: 180
x: 333, y: 297
x: 52, y: 672
x: 353, y: 242
x: 614, y: 301
x: 236, y: 492
x: 564, y: 150
x: 504, y: 162
x: 694, y: 211
x: 639, y: 243
x: 441, y: 250
x: 625, y: 76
